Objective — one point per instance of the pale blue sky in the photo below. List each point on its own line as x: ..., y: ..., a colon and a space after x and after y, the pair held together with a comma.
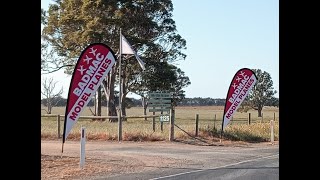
x: 222, y: 37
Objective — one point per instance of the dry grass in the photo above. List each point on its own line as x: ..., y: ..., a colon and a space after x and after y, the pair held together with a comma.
x: 255, y: 132
x: 137, y: 129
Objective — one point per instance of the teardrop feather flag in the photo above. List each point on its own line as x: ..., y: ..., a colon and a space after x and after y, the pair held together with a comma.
x: 241, y: 84
x: 92, y: 67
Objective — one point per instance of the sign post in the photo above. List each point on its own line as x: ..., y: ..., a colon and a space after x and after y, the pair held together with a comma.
x: 171, y: 134
x: 160, y: 102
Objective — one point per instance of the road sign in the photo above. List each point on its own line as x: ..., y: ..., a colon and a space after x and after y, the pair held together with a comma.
x: 164, y: 118
x: 159, y: 105
x: 160, y: 95
x: 159, y: 101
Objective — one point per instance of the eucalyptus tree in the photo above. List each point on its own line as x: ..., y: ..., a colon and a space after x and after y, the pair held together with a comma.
x: 147, y: 25
x: 262, y: 92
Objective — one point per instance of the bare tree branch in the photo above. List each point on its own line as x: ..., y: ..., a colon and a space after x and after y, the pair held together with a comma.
x: 48, y: 88
x: 45, y: 110
x: 57, y: 69
x: 93, y: 114
x: 50, y: 61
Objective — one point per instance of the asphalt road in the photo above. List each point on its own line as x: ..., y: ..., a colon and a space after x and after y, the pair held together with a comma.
x: 240, y: 162
x: 264, y: 168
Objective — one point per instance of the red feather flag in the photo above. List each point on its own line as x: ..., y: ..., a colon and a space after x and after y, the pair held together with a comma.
x: 92, y: 67
x: 241, y: 84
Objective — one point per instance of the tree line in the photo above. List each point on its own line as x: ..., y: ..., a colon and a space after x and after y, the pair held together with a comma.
x: 132, y: 102
x: 262, y: 94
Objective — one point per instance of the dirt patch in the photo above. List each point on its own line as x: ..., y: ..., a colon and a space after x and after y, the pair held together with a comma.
x: 57, y: 167
x: 66, y: 167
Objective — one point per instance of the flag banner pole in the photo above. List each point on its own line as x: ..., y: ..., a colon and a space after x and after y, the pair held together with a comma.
x: 120, y: 91
x: 125, y: 48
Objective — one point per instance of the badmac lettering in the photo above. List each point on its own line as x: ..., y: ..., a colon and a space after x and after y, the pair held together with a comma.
x: 93, y: 74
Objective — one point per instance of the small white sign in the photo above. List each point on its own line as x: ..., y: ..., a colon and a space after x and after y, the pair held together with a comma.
x: 164, y: 118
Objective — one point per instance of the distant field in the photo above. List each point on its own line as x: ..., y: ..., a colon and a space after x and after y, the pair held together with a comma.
x: 186, y: 112
x: 138, y: 128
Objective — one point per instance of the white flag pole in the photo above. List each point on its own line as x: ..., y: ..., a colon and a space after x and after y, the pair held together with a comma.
x: 120, y: 92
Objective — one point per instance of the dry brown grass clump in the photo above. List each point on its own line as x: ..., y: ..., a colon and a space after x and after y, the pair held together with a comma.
x: 141, y: 137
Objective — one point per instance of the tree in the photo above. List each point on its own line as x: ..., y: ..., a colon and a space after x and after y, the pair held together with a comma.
x: 48, y: 92
x: 273, y: 101
x: 148, y: 26
x: 177, y: 86
x: 50, y: 61
x: 262, y: 92
x: 43, y: 16
x: 162, y: 76
x: 43, y: 44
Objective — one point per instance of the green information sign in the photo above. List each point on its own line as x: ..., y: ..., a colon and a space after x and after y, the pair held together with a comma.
x: 159, y: 95
x: 159, y: 101
x: 160, y: 109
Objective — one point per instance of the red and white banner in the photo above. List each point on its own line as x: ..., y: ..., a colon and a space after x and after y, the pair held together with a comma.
x: 241, y: 84
x: 92, y: 67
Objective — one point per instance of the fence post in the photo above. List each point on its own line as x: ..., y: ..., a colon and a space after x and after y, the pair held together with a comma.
x: 171, y: 136
x: 249, y: 119
x: 153, y: 121
x: 274, y: 116
x: 58, y: 124
x: 214, y: 121
x: 271, y: 129
x: 197, y: 122
x: 119, y: 124
x: 161, y: 124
